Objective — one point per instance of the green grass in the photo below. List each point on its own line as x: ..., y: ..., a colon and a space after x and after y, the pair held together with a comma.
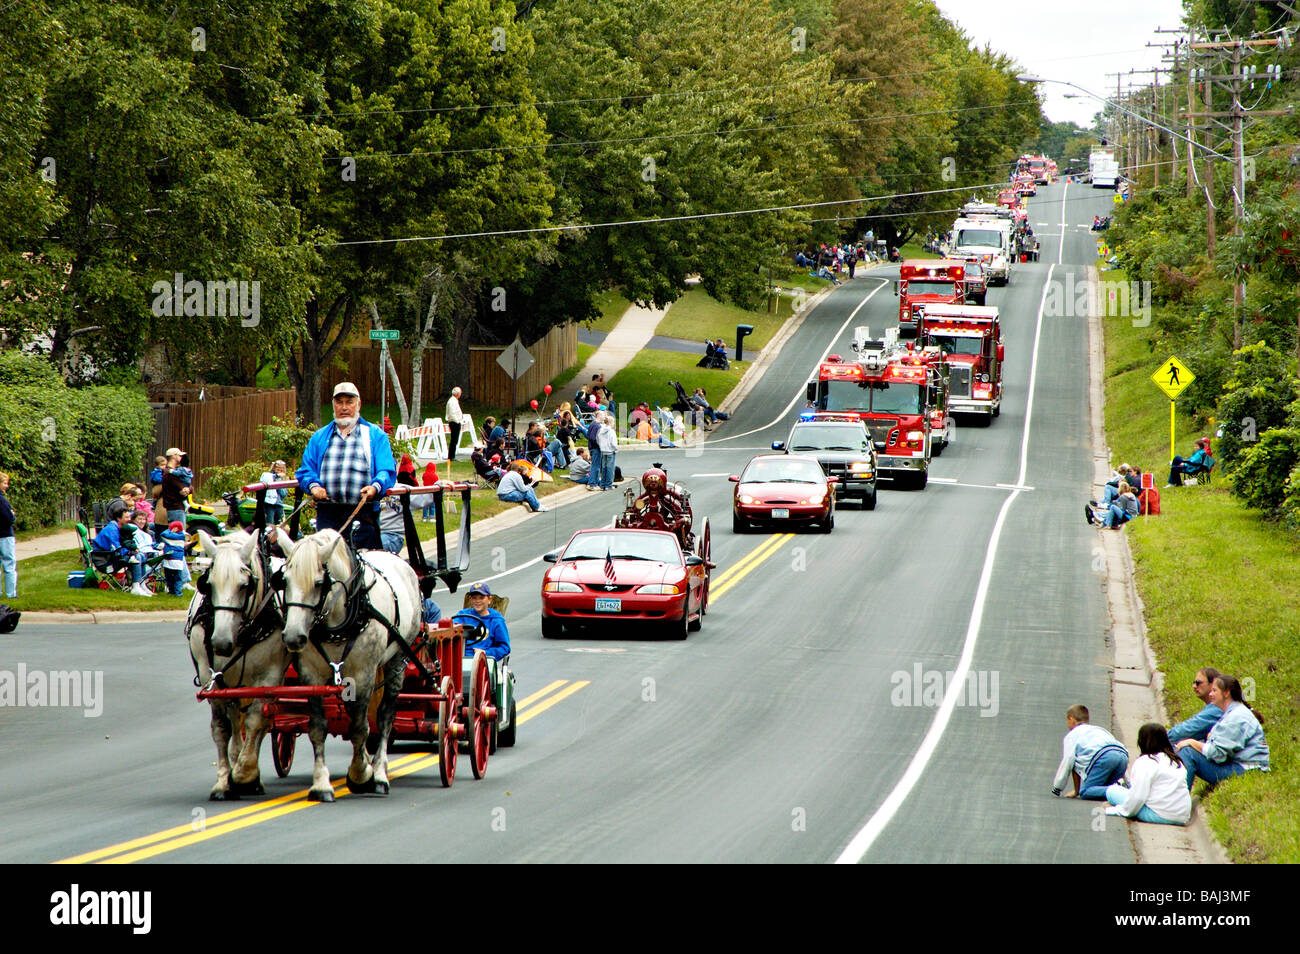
x: 612, y: 305
x: 1218, y: 587
x: 43, y: 585
x: 697, y: 315
x: 914, y: 250
x: 647, y: 377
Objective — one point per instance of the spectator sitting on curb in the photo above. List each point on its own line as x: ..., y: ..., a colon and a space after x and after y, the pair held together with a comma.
x: 1110, y: 491
x: 1201, y: 462
x: 1157, y: 792
x: 1235, y: 745
x: 700, y: 399
x: 1199, y: 725
x: 580, y: 466
x: 515, y: 488
x: 1090, y: 755
x: 1121, y: 511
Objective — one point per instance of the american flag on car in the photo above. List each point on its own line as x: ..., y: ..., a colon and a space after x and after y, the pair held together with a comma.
x: 609, y: 566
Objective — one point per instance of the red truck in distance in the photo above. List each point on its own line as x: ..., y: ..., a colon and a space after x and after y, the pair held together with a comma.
x: 923, y: 282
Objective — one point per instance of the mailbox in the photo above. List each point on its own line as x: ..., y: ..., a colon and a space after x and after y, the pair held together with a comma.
x: 741, y: 332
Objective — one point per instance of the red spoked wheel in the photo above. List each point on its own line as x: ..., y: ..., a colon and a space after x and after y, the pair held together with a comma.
x: 448, y: 737
x: 480, y: 715
x: 282, y: 746
x: 704, y: 550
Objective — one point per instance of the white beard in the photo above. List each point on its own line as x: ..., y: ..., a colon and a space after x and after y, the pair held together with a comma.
x: 346, y: 423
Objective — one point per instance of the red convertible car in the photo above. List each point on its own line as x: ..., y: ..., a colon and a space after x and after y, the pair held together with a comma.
x: 624, y: 575
x: 783, y: 489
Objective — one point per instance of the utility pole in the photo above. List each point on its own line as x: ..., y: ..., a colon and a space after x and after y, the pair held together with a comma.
x: 1233, y: 83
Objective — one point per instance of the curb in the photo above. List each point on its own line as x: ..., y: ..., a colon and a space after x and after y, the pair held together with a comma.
x: 1136, y: 679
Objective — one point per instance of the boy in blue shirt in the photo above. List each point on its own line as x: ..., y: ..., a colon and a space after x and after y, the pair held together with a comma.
x: 1090, y: 755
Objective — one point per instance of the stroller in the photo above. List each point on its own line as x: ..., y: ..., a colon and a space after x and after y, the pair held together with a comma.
x: 690, y: 412
x: 714, y: 357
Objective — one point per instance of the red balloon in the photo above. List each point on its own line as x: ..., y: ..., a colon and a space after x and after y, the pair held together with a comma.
x: 547, y: 389
x: 533, y: 404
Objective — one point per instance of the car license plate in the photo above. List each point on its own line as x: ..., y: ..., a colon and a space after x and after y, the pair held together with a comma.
x: 780, y: 514
x: 609, y: 606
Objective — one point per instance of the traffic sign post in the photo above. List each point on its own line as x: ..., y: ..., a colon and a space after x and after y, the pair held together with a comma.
x: 515, y: 361
x: 383, y: 336
x: 1172, y: 377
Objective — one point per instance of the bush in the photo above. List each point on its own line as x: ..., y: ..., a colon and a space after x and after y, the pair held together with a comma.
x: 115, y: 429
x: 19, y: 368
x: 38, y: 448
x: 221, y: 480
x: 1265, y: 475
x: 284, y: 440
x: 1259, y: 389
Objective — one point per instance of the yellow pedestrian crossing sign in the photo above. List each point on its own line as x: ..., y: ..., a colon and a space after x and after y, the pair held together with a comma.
x: 1172, y: 377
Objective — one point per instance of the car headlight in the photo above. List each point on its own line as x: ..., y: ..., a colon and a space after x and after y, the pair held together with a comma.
x: 660, y: 589
x: 816, y: 498
x: 984, y: 378
x: 860, y: 467
x: 562, y: 587
x: 915, y: 435
x: 746, y: 499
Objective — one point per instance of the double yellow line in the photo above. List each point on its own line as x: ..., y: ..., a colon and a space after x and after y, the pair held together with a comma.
x: 161, y: 842
x: 739, y: 570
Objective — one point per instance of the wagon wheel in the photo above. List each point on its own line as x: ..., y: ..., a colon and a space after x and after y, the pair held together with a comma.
x: 479, y: 696
x: 282, y: 746
x: 704, y: 550
x: 448, y: 709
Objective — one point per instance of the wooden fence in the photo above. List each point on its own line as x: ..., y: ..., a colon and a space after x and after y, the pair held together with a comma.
x: 488, y: 384
x: 219, y: 430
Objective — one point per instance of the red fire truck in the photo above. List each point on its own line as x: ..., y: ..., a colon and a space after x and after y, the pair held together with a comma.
x: 895, y: 395
x: 970, y: 338
x: 924, y: 282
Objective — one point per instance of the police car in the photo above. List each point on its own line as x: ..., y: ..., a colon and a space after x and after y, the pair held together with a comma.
x: 842, y: 445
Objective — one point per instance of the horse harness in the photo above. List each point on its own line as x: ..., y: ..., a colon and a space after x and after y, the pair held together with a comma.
x: 261, y: 612
x: 360, y: 611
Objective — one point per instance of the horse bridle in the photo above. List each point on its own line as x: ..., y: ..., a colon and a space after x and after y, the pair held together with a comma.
x: 251, y: 611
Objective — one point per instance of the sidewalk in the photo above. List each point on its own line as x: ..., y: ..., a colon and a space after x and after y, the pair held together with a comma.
x: 50, y: 543
x: 630, y: 336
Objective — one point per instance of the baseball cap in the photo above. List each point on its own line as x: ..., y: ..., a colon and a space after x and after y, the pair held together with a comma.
x: 479, y: 589
x: 174, y: 452
x: 346, y: 387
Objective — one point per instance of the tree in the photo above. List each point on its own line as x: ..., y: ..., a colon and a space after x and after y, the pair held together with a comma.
x: 412, y: 86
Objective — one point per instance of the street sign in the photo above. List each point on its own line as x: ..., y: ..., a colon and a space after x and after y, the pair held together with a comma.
x: 1172, y: 377
x: 515, y: 360
x: 385, y: 334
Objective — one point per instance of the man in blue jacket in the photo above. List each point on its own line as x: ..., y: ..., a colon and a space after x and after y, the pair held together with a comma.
x: 112, y: 552
x: 348, y: 461
x: 1199, y: 725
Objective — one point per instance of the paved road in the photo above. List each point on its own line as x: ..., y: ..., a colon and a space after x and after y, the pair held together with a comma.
x: 772, y: 735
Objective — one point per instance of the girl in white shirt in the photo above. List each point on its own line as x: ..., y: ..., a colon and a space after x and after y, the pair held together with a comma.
x: 1157, y: 789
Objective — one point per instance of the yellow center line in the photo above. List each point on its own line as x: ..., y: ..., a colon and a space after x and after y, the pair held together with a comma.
x: 758, y: 553
x: 181, y: 835
x: 745, y: 566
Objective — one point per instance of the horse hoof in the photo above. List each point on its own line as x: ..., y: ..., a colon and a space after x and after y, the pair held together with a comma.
x: 362, y: 788
x: 381, y: 788
x: 325, y: 796
x: 220, y: 795
x: 246, y: 788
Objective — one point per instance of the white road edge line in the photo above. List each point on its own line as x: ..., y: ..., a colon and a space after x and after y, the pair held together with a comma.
x: 861, y: 843
x: 799, y: 395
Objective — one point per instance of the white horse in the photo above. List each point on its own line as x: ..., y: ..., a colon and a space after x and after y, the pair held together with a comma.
x: 234, y: 632
x: 332, y: 601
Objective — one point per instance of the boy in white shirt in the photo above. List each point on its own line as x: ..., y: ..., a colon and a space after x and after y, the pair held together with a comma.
x: 1090, y: 755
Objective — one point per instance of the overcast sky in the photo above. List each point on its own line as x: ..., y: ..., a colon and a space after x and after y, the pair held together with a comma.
x: 1079, y: 42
